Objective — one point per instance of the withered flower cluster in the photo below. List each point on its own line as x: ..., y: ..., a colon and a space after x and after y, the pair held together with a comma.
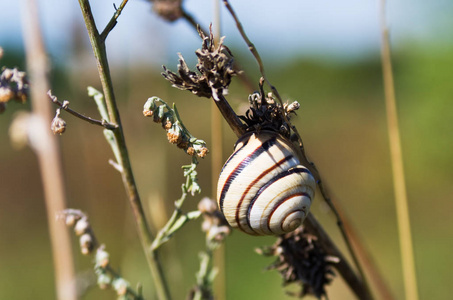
x: 215, y: 67
x: 106, y: 276
x: 300, y: 259
x: 266, y: 113
x: 82, y: 228
x: 13, y: 86
x: 176, y: 132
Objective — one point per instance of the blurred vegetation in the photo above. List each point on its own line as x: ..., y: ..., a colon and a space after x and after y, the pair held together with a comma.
x: 342, y: 122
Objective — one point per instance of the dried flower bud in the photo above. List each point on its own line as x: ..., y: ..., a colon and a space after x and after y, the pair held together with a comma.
x: 70, y: 220
x: 120, y: 285
x: 104, y: 281
x: 102, y: 258
x: 203, y: 152
x: 58, y: 125
x: 6, y: 94
x: 191, y: 151
x: 167, y: 125
x: 218, y: 233
x: 207, y: 205
x: 147, y: 113
x: 86, y: 243
x: 149, y: 107
x: 293, y: 106
x: 174, y: 134
x: 7, y: 74
x: 206, y: 225
x: 183, y: 143
x: 81, y: 226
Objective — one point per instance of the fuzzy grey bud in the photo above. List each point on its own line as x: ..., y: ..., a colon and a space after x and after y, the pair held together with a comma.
x: 81, y: 226
x: 207, y: 205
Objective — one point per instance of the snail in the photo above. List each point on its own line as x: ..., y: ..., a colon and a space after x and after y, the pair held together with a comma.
x: 263, y: 189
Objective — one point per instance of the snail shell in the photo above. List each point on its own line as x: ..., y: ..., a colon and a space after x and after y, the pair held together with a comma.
x: 263, y: 189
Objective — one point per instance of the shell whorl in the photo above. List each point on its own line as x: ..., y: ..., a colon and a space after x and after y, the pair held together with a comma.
x: 263, y: 189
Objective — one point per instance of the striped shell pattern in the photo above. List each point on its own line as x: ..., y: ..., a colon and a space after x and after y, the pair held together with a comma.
x: 263, y: 189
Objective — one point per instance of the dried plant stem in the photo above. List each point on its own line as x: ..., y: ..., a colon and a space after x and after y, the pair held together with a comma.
x: 355, y: 283
x: 98, y: 44
x: 402, y: 210
x: 341, y: 220
x: 230, y: 116
x: 49, y: 156
x: 216, y: 167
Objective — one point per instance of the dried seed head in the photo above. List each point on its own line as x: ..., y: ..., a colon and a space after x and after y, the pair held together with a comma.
x: 58, y: 125
x: 215, y: 67
x: 300, y: 259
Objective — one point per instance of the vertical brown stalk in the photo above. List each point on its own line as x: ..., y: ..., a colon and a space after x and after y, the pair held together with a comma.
x: 48, y: 153
x: 217, y: 162
x: 396, y: 156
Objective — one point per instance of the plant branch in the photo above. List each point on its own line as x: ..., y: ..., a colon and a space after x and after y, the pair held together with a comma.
x: 113, y: 21
x: 144, y: 231
x: 230, y: 116
x: 178, y: 219
x: 65, y: 106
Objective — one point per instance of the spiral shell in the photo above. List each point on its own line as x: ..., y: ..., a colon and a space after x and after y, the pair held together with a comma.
x: 263, y: 189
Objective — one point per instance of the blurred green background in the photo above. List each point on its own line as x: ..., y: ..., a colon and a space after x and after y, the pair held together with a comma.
x: 343, y: 125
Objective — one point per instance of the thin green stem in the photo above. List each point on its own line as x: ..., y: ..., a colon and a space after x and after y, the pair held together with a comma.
x: 178, y: 219
x: 98, y: 44
x: 113, y: 21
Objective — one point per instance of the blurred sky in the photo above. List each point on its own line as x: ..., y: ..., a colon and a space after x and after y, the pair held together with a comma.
x: 346, y: 29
